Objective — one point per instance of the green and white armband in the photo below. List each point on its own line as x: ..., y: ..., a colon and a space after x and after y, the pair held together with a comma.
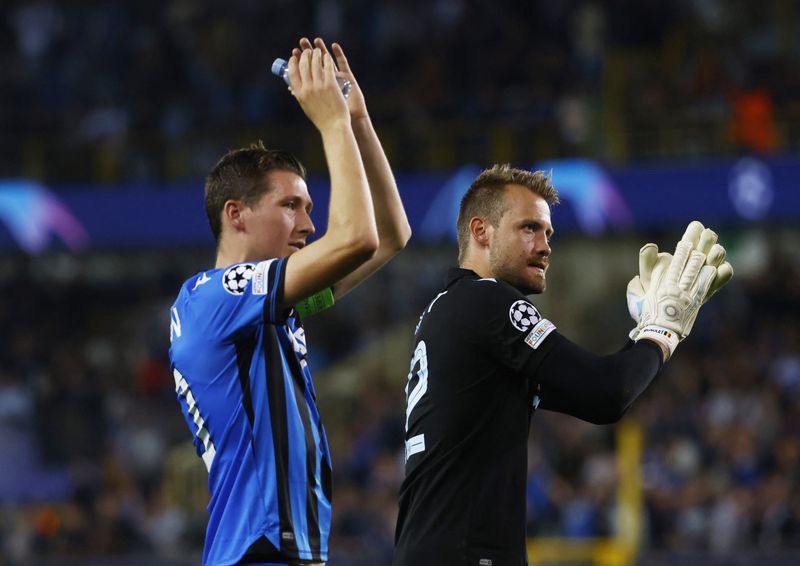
x: 315, y: 303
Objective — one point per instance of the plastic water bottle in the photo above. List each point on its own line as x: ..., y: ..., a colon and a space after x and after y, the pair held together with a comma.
x: 281, y: 68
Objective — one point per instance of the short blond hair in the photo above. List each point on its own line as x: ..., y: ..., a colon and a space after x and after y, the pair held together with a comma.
x: 484, y: 198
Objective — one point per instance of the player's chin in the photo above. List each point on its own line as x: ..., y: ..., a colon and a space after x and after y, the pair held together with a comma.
x: 537, y: 288
x: 535, y: 280
x: 536, y: 285
x: 529, y: 287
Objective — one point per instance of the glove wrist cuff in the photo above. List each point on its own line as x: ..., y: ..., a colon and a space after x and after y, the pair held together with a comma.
x: 661, y: 335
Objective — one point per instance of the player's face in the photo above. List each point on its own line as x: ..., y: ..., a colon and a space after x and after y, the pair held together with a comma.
x: 280, y: 222
x: 519, y: 250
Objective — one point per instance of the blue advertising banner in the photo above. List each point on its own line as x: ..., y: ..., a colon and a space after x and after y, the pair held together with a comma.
x: 594, y: 200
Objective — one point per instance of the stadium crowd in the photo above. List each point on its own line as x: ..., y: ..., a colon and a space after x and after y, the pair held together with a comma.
x: 96, y: 460
x: 147, y: 90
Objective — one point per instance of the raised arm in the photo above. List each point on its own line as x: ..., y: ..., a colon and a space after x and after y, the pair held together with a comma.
x: 351, y: 238
x: 663, y: 300
x: 390, y: 217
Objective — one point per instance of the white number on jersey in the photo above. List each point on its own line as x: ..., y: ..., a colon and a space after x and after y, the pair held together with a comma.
x: 416, y: 444
x: 174, y: 325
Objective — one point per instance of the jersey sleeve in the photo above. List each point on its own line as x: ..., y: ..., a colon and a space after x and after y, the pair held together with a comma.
x: 244, y: 295
x: 499, y: 319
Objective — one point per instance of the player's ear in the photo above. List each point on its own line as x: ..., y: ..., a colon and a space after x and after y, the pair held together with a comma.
x: 479, y: 228
x: 232, y: 214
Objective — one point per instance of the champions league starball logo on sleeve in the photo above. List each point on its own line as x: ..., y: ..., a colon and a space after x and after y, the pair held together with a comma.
x: 523, y: 315
x: 236, y: 278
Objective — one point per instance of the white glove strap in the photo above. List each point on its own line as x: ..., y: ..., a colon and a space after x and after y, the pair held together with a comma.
x: 661, y: 335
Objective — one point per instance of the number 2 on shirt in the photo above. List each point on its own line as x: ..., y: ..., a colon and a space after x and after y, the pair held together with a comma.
x: 419, y: 362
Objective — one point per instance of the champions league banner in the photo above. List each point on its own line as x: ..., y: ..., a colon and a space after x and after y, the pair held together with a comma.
x: 595, y: 200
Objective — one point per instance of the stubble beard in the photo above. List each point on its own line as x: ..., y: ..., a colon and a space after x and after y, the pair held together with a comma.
x: 502, y: 269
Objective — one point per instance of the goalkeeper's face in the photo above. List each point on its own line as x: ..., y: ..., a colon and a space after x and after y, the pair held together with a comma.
x: 519, y: 250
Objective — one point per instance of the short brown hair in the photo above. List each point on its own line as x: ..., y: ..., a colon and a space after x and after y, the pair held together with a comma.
x: 240, y: 175
x: 484, y: 198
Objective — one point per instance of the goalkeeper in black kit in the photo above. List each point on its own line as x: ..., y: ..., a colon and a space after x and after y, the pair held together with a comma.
x: 485, y: 359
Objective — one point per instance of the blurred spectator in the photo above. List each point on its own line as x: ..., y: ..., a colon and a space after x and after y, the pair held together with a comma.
x: 144, y: 90
x: 753, y: 121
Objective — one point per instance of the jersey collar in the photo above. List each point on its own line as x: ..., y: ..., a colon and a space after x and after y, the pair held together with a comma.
x: 456, y: 273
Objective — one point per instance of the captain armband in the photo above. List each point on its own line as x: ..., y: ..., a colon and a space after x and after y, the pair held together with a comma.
x: 315, y: 303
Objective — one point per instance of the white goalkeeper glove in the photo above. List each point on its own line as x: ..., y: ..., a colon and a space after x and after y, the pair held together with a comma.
x: 649, y: 257
x: 665, y: 297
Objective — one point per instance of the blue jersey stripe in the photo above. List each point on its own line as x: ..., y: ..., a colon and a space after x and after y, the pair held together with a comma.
x: 276, y: 393
x: 319, y: 469
x: 297, y: 467
x: 311, y: 468
x: 321, y: 503
x: 312, y: 476
x: 262, y: 440
x: 304, y: 403
x: 305, y: 473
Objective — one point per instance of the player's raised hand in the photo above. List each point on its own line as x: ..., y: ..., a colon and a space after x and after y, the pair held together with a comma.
x: 715, y: 258
x: 649, y: 258
x: 312, y: 73
x: 355, y: 100
x: 678, y: 288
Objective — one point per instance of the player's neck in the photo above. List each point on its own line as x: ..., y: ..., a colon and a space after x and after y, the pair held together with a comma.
x: 479, y: 267
x: 227, y: 256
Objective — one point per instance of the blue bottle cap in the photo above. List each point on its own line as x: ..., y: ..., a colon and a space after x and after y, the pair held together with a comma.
x: 277, y: 66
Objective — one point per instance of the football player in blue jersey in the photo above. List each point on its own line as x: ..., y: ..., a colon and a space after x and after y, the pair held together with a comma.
x: 238, y: 348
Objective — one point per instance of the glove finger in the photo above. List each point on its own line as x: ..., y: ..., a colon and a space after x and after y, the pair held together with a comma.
x: 684, y: 248
x: 648, y: 256
x: 692, y: 233
x: 724, y: 274
x: 635, y: 286
x: 692, y: 270
x: 661, y: 267
x: 635, y: 297
x: 707, y: 239
x: 715, y: 255
x: 679, y: 259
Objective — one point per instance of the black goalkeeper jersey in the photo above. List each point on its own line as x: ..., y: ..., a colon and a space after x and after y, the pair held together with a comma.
x: 468, y: 410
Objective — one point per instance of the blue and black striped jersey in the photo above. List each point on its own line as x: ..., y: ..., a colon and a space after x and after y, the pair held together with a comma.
x: 238, y: 356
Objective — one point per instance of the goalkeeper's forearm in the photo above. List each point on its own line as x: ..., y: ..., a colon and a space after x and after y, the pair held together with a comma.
x: 597, y: 389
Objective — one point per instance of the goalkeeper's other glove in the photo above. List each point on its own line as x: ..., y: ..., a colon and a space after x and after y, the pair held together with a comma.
x: 670, y: 289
